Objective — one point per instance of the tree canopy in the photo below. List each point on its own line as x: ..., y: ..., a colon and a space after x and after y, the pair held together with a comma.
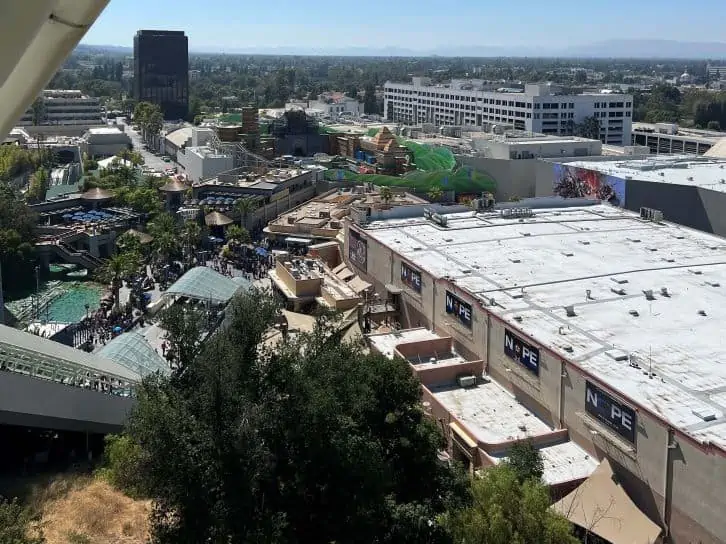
x: 17, y: 254
x: 315, y: 442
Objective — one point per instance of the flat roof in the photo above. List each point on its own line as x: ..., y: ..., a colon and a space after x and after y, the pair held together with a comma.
x: 705, y: 172
x: 527, y: 270
x: 386, y: 343
x: 105, y: 130
x: 563, y: 462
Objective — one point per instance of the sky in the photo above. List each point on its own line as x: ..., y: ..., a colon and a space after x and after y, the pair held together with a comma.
x: 219, y: 25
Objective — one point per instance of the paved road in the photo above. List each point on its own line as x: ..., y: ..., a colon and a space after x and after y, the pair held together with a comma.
x: 152, y: 161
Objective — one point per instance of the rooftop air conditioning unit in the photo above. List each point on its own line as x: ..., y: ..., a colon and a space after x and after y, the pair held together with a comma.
x: 466, y: 381
x: 291, y: 219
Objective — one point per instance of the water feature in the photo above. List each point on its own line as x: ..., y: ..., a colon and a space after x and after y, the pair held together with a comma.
x: 59, y: 301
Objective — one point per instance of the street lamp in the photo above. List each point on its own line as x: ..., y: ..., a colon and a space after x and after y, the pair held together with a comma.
x: 87, y: 306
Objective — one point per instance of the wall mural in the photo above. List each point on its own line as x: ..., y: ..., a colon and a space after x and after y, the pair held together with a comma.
x: 573, y: 182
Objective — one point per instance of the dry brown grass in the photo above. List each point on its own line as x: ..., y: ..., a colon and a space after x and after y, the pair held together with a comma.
x: 85, y: 506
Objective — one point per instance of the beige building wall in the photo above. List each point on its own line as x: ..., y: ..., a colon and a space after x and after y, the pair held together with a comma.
x: 557, y: 395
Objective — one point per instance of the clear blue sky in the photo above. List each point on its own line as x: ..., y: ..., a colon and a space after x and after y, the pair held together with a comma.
x: 415, y: 24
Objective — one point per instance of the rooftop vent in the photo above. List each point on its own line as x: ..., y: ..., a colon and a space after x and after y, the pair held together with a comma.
x: 634, y: 313
x: 648, y: 294
x: 702, y: 313
x: 695, y: 271
x: 570, y: 311
x: 618, y: 290
x: 588, y: 294
x: 705, y: 413
x: 567, y: 253
x: 568, y: 349
x: 618, y: 280
x: 713, y: 284
x: 518, y: 318
x: 516, y: 261
x: 585, y: 242
x: 466, y: 381
x: 617, y: 355
x: 664, y: 292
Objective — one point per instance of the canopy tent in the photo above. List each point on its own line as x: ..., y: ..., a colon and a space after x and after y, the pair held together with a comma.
x: 203, y: 283
x: 216, y: 219
x: 601, y: 506
x: 132, y: 351
x: 97, y: 194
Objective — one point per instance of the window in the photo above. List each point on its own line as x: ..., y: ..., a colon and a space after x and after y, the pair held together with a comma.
x: 529, y: 115
x: 572, y: 105
x: 627, y: 114
x: 536, y: 115
x: 536, y: 106
x: 628, y: 104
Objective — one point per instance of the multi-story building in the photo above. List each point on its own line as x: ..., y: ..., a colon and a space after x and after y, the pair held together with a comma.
x: 716, y: 71
x: 161, y: 71
x: 540, y: 108
x: 64, y: 107
x: 669, y: 138
x: 602, y: 323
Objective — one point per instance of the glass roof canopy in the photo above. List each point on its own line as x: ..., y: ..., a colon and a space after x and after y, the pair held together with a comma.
x: 42, y: 358
x: 132, y: 351
x: 203, y: 283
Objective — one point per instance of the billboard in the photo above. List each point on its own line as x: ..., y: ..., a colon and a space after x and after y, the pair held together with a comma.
x: 518, y: 350
x: 616, y: 415
x: 358, y: 250
x: 410, y: 277
x: 573, y: 182
x: 458, y: 308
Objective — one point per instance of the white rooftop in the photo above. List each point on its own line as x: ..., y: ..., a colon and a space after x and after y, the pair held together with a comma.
x: 105, y: 130
x: 706, y: 172
x: 563, y: 462
x: 532, y: 268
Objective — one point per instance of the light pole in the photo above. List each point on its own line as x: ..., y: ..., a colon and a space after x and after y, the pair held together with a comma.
x: 37, y: 291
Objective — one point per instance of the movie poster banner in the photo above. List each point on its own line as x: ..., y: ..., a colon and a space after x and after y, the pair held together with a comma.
x: 358, y: 250
x: 519, y: 350
x: 573, y: 182
x: 459, y: 309
x: 410, y: 277
x: 618, y: 416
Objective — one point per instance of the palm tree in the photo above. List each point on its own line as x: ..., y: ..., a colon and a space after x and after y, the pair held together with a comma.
x: 386, y: 194
x: 238, y: 234
x: 115, y: 269
x: 163, y: 229
x: 244, y: 207
x: 191, y: 234
x: 435, y: 193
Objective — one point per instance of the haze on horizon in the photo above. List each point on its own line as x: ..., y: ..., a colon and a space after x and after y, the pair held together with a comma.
x: 423, y: 25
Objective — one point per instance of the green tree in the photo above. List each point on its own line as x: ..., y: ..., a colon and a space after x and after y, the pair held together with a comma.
x: 128, y: 243
x: 116, y: 269
x: 589, y: 128
x: 245, y: 206
x: 38, y: 186
x: 238, y: 234
x: 435, y: 193
x: 316, y: 442
x: 370, y: 103
x: 18, y: 524
x: 508, y: 512
x: 526, y: 461
x: 164, y: 230
x: 184, y: 327
x: 386, y: 195
x: 39, y: 112
x: 121, y: 461
x: 191, y: 235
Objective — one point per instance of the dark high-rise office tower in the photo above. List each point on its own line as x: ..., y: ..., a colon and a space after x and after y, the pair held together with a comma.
x: 161, y: 71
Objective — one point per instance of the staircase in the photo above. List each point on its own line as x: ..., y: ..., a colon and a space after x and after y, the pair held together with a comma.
x: 74, y: 256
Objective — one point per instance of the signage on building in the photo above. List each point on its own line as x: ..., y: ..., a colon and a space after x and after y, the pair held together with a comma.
x: 457, y: 307
x: 358, y: 250
x: 613, y: 413
x: 410, y: 277
x: 519, y: 350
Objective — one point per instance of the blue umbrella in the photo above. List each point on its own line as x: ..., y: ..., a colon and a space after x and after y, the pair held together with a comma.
x: 261, y: 251
x: 67, y: 216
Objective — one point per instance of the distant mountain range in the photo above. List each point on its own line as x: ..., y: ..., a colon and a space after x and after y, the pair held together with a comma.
x: 659, y: 49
